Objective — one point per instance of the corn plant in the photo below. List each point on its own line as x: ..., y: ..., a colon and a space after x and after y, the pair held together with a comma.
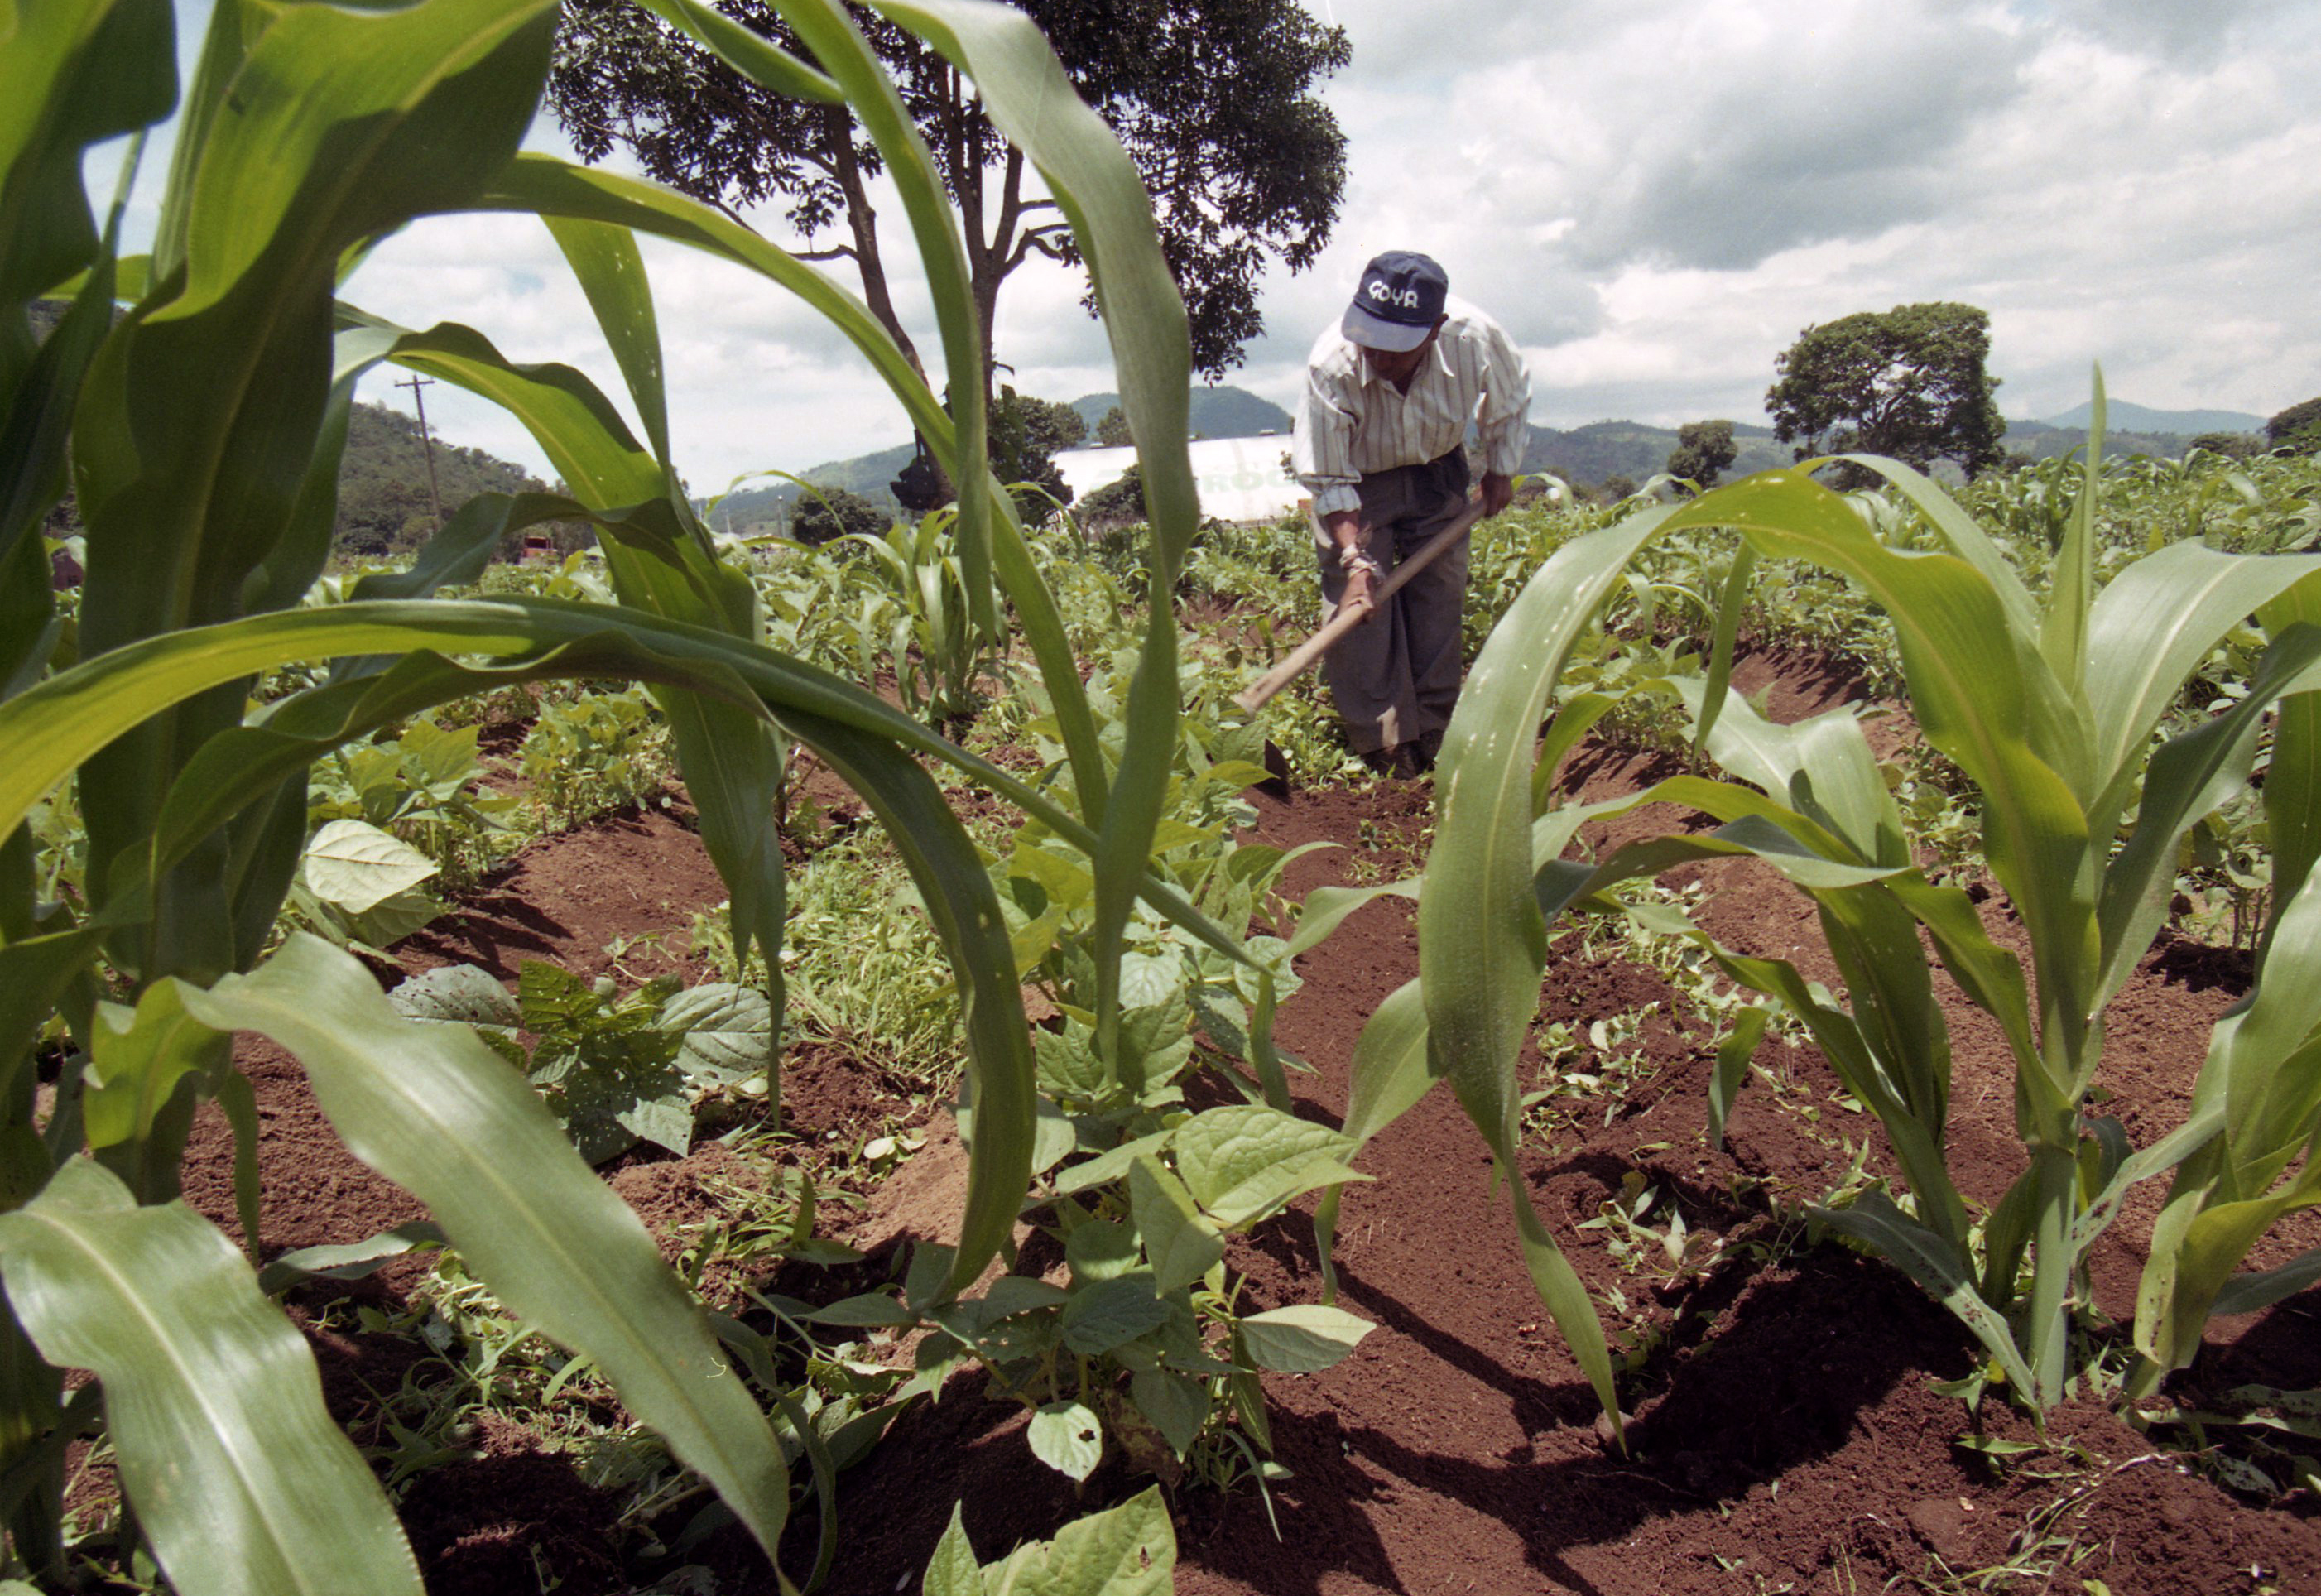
x: 202, y: 426
x: 934, y: 647
x: 2049, y: 703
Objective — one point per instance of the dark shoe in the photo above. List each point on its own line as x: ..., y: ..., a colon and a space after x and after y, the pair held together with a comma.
x: 1426, y: 750
x: 1381, y: 761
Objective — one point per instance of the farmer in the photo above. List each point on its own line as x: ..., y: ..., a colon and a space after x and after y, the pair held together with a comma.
x: 1389, y: 393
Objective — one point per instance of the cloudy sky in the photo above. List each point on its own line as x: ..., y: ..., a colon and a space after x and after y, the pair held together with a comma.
x: 1655, y: 198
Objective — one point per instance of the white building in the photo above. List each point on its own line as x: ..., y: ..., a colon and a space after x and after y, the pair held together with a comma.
x: 1239, y: 479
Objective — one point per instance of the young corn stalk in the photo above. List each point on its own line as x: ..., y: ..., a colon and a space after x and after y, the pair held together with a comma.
x: 203, y: 426
x: 2049, y: 703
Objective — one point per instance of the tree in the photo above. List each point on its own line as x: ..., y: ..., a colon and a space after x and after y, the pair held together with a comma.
x: 1612, y: 490
x: 1026, y: 434
x: 826, y: 514
x: 2297, y: 428
x: 1703, y: 450
x: 2232, y: 445
x: 1113, y: 506
x: 1210, y: 97
x: 1112, y: 430
x: 1910, y: 384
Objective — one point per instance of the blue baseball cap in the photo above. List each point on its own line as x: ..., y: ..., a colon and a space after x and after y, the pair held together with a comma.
x: 1396, y: 303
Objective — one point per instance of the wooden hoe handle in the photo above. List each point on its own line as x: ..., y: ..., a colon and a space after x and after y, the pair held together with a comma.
x: 1350, y: 615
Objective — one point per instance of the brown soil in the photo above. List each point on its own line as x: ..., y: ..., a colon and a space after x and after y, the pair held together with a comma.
x: 1785, y: 1435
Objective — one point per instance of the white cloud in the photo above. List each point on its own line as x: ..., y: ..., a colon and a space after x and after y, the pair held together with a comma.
x: 1655, y: 198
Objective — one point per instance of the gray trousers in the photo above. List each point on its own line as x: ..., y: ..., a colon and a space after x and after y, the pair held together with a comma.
x: 1395, y: 678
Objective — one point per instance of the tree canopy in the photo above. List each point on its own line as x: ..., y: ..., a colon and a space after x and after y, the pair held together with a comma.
x: 1703, y: 450
x: 1112, y: 429
x: 1910, y: 383
x: 2299, y: 427
x: 1210, y: 97
x: 827, y: 514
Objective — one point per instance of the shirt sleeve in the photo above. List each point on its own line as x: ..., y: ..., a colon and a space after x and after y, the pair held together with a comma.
x: 1501, y: 425
x: 1322, y: 447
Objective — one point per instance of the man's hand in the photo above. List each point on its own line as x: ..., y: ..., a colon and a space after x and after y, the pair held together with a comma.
x: 1499, y: 492
x: 1344, y: 530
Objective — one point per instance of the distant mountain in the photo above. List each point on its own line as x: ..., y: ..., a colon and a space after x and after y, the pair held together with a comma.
x: 1219, y: 412
x: 2123, y: 417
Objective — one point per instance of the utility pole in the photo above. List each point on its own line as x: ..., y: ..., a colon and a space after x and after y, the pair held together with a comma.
x: 427, y: 443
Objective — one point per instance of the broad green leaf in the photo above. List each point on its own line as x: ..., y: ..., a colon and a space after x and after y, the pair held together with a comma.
x: 1103, y: 1315
x: 1130, y: 1550
x: 241, y: 1480
x: 1177, y: 1407
x: 138, y: 1057
x: 869, y: 1310
x: 354, y: 866
x: 436, y: 1112
x: 952, y: 1570
x: 1244, y: 1162
x: 1068, y: 1437
x: 1182, y: 1245
x: 458, y: 994
x: 1305, y: 1339
x: 728, y: 1031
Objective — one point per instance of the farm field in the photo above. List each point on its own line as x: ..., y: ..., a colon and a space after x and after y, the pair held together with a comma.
x: 1785, y: 1423
x: 711, y: 1065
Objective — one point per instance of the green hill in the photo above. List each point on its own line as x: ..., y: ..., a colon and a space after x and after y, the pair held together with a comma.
x: 383, y: 505
x: 1221, y: 412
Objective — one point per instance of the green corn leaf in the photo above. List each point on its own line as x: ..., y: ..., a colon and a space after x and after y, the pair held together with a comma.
x: 77, y: 75
x: 551, y: 187
x: 1936, y: 1266
x: 1733, y: 1052
x: 2253, y: 1293
x: 2151, y: 629
x: 241, y: 1480
x: 837, y: 45
x: 1029, y: 99
x: 2292, y: 782
x: 2071, y: 590
x: 1326, y: 908
x: 436, y: 1112
x: 59, y: 723
x: 1820, y: 766
x: 1729, y: 606
x: 754, y: 56
x: 2187, y: 778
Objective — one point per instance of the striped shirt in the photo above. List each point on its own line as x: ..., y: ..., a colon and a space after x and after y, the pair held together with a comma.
x: 1351, y: 422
